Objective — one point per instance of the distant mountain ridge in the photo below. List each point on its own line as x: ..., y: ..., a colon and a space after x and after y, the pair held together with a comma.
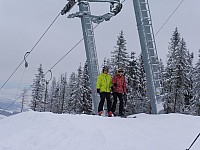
x: 5, y: 103
x: 6, y: 113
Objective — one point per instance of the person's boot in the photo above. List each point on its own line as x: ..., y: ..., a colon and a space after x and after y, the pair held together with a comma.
x: 121, y: 114
x: 114, y: 114
x: 110, y: 114
x: 100, y: 113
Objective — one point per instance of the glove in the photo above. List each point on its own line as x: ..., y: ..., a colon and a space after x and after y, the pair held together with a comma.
x: 115, y: 84
x: 112, y: 88
x: 98, y: 90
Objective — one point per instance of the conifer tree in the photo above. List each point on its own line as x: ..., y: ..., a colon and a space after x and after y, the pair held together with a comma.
x: 57, y: 101
x: 162, y: 75
x: 24, y: 96
x: 38, y: 88
x: 73, y: 98
x: 67, y: 96
x: 132, y: 76
x: 56, y: 98
x: 52, y: 95
x: 46, y: 96
x: 119, y: 56
x: 143, y: 104
x: 107, y: 63
x: 196, y: 85
x: 79, y: 91
x: 86, y: 103
x: 169, y: 83
x: 178, y: 83
x: 63, y: 85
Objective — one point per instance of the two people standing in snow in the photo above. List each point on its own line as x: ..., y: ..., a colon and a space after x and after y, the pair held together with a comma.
x: 104, y: 85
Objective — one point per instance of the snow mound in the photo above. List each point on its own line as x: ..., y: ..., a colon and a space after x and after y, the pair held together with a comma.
x: 2, y: 116
x: 48, y: 131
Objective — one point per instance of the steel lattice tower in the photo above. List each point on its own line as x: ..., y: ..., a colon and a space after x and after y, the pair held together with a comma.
x: 90, y: 48
x: 149, y: 53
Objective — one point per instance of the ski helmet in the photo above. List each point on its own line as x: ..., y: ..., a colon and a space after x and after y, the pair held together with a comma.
x: 105, y: 68
x: 120, y: 70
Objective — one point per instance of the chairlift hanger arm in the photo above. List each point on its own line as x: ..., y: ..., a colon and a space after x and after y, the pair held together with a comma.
x: 68, y: 6
x: 115, y: 8
x: 110, y: 1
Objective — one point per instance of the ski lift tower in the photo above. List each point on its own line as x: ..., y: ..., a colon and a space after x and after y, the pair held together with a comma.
x: 149, y: 54
x: 86, y: 20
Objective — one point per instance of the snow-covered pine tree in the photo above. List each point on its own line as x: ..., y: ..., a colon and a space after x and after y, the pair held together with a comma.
x: 47, y: 98
x: 162, y: 74
x: 38, y: 88
x: 52, y: 95
x: 24, y: 96
x: 56, y: 99
x: 132, y: 77
x: 63, y: 86
x: 186, y: 72
x: 79, y: 91
x: 86, y: 103
x: 168, y: 84
x: 143, y: 104
x: 67, y: 96
x: 119, y: 57
x: 178, y: 83
x: 196, y: 87
x: 108, y: 64
x: 188, y: 101
x: 73, y: 97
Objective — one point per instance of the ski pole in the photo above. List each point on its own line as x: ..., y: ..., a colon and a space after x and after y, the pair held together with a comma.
x: 194, y: 141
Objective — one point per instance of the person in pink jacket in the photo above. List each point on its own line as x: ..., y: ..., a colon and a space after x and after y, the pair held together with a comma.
x: 119, y: 89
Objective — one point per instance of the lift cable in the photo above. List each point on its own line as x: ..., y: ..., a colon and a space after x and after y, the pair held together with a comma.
x: 169, y: 17
x: 65, y: 54
x: 12, y: 74
x: 17, y: 91
x: 68, y: 52
x: 123, y: 1
x: 28, y: 53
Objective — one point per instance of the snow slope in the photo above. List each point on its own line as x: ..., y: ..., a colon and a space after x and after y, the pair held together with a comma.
x: 2, y: 116
x: 47, y: 131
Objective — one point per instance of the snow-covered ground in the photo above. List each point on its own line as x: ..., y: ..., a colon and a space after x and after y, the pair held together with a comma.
x: 47, y: 131
x: 2, y: 116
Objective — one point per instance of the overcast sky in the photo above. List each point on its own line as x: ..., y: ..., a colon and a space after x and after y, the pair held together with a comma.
x: 22, y: 22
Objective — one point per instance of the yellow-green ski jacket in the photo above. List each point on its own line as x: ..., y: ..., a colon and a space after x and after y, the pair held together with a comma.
x: 104, y: 82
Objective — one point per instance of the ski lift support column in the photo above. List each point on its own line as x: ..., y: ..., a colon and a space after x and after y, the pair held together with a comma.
x: 88, y: 34
x: 149, y: 54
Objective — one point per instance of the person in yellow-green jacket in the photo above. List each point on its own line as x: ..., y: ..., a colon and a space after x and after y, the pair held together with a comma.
x: 103, y: 85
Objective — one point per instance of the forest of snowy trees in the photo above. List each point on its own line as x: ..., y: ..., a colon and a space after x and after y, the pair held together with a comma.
x: 180, y: 79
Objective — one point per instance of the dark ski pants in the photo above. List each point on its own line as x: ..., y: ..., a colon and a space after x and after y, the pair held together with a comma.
x: 121, y: 103
x: 103, y: 96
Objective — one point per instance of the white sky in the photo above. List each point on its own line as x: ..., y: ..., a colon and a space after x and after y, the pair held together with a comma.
x: 23, y: 22
x: 47, y: 131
